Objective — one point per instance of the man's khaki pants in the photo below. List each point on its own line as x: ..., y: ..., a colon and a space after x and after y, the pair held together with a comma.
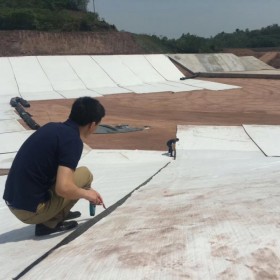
x: 51, y: 212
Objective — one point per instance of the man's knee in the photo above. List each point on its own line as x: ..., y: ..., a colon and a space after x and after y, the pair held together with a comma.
x: 83, y: 177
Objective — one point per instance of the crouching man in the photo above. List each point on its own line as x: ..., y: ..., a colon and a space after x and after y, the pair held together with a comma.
x: 171, y: 144
x: 44, y: 182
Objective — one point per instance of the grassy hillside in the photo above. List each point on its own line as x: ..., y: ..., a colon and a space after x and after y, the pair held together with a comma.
x: 50, y: 15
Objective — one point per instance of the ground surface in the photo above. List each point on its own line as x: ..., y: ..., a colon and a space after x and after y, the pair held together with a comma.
x: 257, y: 102
x: 20, y: 42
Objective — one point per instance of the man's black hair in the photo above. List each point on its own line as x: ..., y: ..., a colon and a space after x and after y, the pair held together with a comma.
x: 86, y: 110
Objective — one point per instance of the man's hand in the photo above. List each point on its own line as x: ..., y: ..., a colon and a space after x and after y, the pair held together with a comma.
x: 94, y: 197
x: 65, y: 187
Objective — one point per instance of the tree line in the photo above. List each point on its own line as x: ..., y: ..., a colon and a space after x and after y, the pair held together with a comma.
x: 266, y: 37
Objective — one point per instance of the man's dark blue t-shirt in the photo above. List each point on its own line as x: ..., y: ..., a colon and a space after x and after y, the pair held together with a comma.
x: 34, y: 168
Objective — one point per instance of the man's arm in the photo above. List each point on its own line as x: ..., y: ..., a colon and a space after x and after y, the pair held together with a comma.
x: 65, y: 186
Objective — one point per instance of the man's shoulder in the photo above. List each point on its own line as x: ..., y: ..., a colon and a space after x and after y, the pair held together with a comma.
x: 55, y: 126
x: 49, y: 126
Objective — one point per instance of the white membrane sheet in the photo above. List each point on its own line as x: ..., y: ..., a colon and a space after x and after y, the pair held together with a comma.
x: 30, y: 75
x: 165, y: 67
x: 207, y: 215
x: 90, y: 72
x: 48, y: 95
x: 111, y: 90
x: 11, y: 142
x: 266, y: 137
x: 179, y: 86
x: 202, y: 137
x: 93, y: 76
x: 6, y: 160
x: 161, y: 87
x: 208, y: 85
x: 7, y: 112
x: 116, y: 173
x: 78, y: 93
x: 10, y: 126
x: 137, y: 74
x: 60, y: 73
x: 170, y: 72
x: 56, y: 77
x: 117, y: 71
x: 148, y: 88
x: 8, y: 83
x: 139, y: 65
x: 6, y: 98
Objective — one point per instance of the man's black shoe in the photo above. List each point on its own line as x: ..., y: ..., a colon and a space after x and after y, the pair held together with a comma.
x: 41, y: 229
x: 73, y: 215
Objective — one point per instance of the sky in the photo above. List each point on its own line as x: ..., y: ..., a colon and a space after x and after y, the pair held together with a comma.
x: 172, y: 18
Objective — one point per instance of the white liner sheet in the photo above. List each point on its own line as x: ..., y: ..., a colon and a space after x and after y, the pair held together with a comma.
x: 266, y: 137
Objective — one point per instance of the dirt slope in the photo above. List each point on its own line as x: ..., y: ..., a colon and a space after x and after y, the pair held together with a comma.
x: 271, y: 58
x: 17, y: 43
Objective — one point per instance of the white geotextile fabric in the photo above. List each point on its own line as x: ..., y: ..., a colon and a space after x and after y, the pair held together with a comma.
x: 11, y: 142
x: 31, y: 79
x: 111, y: 90
x: 205, y: 216
x: 6, y: 160
x: 143, y: 74
x: 7, y: 126
x: 93, y: 76
x: 29, y: 75
x: 182, y: 86
x: 8, y: 84
x: 60, y: 73
x: 77, y: 93
x: 90, y: 72
x: 208, y: 84
x: 116, y: 173
x: 266, y: 137
x: 171, y: 73
x: 164, y: 67
x: 50, y: 95
x: 6, y: 111
x: 203, y: 137
x: 118, y: 72
x: 139, y: 65
x: 56, y: 77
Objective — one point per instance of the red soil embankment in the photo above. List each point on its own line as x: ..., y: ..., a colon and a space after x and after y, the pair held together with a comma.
x: 17, y: 43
